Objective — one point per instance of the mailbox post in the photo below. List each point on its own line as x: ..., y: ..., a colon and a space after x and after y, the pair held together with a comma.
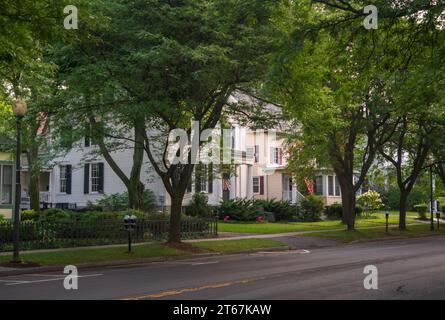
x: 130, y: 225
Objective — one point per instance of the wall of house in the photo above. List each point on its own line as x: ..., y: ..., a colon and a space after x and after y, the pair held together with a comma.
x: 112, y: 183
x: 7, y: 213
x: 5, y: 156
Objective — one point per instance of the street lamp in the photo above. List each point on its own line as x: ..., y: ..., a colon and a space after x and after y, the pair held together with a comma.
x: 432, y: 197
x: 19, y: 109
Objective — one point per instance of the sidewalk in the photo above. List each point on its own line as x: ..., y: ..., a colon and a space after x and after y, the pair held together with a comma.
x: 221, y: 237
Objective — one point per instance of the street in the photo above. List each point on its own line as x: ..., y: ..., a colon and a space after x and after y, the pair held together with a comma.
x: 407, y: 269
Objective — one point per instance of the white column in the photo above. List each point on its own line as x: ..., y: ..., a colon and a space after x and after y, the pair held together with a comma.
x: 249, y: 183
x: 294, y: 192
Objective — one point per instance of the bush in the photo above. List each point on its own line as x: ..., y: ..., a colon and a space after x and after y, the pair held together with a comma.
x: 119, y: 201
x: 2, y: 217
x: 422, y: 209
x: 391, y: 198
x: 199, y: 207
x: 27, y: 215
x: 370, y: 201
x: 239, y: 210
x: 312, y: 208
x: 282, y: 210
x: 335, y: 211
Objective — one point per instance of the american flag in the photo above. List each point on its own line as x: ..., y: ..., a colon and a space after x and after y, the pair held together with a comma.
x: 227, y: 184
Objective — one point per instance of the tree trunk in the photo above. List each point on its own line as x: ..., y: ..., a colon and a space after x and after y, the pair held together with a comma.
x: 402, y: 211
x: 175, y: 219
x: 136, y: 187
x: 136, y: 195
x: 348, y: 198
x: 348, y: 201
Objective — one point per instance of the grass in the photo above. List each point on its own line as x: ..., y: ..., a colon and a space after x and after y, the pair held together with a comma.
x: 283, y: 227
x: 379, y: 233
x: 231, y: 246
x: 65, y: 257
x: 97, y: 254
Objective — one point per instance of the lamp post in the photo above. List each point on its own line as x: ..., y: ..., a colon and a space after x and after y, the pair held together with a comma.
x: 432, y: 198
x: 19, y: 109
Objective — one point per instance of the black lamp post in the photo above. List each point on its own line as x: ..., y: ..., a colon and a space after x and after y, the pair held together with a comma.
x: 19, y: 110
x: 432, y: 198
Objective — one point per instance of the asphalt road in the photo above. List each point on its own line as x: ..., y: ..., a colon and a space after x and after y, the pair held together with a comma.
x: 407, y: 269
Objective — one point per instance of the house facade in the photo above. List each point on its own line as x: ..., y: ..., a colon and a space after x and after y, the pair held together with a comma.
x: 257, y: 171
x: 6, y: 179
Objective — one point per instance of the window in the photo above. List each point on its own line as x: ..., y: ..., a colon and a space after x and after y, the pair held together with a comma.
x: 276, y: 156
x: 337, y: 187
x: 95, y: 178
x: 6, y: 184
x: 204, y: 178
x: 256, y: 184
x: 63, y: 179
x: 331, y: 185
x: 318, y: 190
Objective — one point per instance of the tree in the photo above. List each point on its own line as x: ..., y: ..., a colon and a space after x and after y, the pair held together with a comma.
x: 171, y: 63
x: 339, y: 85
x: 336, y: 103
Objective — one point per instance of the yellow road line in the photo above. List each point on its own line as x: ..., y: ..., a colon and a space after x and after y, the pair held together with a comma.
x: 170, y: 293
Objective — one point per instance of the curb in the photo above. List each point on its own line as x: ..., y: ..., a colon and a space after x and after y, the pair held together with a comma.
x: 133, y: 263
x: 394, y: 238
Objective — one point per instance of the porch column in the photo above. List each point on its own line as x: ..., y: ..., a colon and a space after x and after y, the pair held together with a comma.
x: 294, y: 192
x: 249, y: 183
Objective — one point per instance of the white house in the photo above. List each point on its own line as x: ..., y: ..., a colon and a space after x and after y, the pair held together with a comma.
x: 258, y: 171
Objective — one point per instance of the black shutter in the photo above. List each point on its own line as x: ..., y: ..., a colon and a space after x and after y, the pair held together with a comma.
x: 189, y: 185
x: 86, y: 179
x: 210, y: 178
x: 68, y: 178
x: 198, y: 178
x: 262, y: 185
x: 87, y: 141
x: 101, y: 177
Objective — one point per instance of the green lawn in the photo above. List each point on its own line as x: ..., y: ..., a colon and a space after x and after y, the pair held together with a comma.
x: 368, y: 234
x: 279, y: 227
x: 97, y: 255
x: 66, y: 257
x: 230, y: 246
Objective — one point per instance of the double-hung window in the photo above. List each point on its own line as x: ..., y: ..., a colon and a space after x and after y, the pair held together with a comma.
x: 6, y: 173
x: 63, y: 179
x: 95, y: 178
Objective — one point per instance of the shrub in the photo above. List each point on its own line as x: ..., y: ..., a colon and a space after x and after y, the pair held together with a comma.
x: 312, y: 208
x: 391, y: 198
x: 119, y: 201
x: 334, y: 211
x: 282, y: 210
x: 27, y: 215
x: 2, y: 217
x: 239, y: 210
x: 422, y: 209
x: 199, y: 207
x: 370, y: 201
